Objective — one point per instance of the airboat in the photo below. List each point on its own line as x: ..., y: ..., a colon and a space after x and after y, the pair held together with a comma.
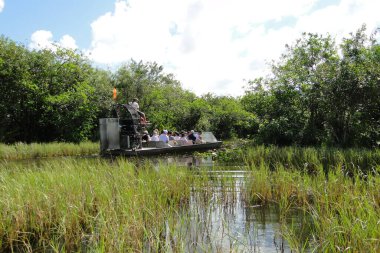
x: 122, y: 135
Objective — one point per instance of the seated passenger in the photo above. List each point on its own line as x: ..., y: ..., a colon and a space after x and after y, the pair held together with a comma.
x: 155, y: 136
x: 171, y: 136
x: 183, y: 136
x: 191, y: 136
x: 164, y: 136
x: 184, y: 140
x: 199, y: 138
x: 176, y: 136
x: 146, y: 136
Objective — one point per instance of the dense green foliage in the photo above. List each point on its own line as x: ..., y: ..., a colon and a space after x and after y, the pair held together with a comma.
x: 46, y: 95
x: 168, y: 105
x: 320, y: 94
x: 56, y: 95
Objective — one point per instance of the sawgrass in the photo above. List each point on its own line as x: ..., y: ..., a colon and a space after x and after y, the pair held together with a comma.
x: 342, y: 204
x: 87, y: 204
x: 308, y: 159
x: 98, y: 205
x: 37, y: 150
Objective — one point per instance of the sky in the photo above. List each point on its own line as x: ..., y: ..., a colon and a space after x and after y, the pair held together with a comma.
x: 211, y: 46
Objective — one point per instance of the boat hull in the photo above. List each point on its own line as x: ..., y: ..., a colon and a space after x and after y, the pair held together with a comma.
x: 163, y: 150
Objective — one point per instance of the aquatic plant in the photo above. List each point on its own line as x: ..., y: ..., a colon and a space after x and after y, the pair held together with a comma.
x: 344, y: 209
x: 37, y: 150
x: 304, y: 159
x: 325, y: 199
x: 69, y: 205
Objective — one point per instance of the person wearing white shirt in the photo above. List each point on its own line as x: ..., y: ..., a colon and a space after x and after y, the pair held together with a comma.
x: 135, y: 104
x: 176, y: 136
x: 155, y: 136
x: 164, y: 136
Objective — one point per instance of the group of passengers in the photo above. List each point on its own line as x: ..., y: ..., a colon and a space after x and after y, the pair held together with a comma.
x: 173, y: 137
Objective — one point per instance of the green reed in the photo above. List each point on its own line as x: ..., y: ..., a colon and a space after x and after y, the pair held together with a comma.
x: 304, y: 159
x: 84, y: 205
x: 36, y: 150
x: 337, y: 189
x: 96, y: 205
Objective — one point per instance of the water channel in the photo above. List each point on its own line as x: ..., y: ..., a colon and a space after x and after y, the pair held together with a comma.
x: 220, y: 218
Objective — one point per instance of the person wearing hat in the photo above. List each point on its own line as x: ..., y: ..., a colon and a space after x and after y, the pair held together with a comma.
x: 135, y: 104
x: 155, y: 135
x: 164, y: 136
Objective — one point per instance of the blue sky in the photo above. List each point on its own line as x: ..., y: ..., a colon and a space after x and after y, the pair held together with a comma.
x: 21, y: 18
x: 209, y: 45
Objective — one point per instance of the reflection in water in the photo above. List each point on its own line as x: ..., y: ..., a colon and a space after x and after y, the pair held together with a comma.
x: 218, y: 216
x: 220, y: 219
x: 183, y: 160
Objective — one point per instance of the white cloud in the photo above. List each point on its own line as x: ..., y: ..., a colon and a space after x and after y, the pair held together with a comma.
x: 342, y: 19
x: 42, y: 39
x: 211, y: 46
x: 68, y: 42
x: 2, y: 3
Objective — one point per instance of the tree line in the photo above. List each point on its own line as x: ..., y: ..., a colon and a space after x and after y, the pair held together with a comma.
x: 317, y: 94
x: 320, y: 93
x: 58, y: 95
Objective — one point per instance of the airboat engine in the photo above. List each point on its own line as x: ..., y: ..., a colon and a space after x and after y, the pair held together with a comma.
x: 123, y: 131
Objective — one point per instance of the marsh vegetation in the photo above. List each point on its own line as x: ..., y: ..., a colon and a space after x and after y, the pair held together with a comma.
x: 277, y: 199
x: 22, y: 150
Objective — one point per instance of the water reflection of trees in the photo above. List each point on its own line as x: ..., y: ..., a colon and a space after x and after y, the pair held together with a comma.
x: 219, y: 218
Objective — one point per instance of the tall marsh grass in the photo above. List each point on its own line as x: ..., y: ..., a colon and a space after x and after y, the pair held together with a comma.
x: 99, y: 205
x: 87, y: 205
x: 36, y: 150
x: 338, y: 190
x: 305, y: 159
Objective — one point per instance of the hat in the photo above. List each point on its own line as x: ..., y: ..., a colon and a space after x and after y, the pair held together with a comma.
x: 192, y: 131
x: 165, y: 131
x: 135, y: 100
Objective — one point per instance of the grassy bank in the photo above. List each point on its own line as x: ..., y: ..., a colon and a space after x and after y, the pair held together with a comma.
x: 87, y: 205
x: 304, y: 159
x: 342, y: 201
x: 54, y: 149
